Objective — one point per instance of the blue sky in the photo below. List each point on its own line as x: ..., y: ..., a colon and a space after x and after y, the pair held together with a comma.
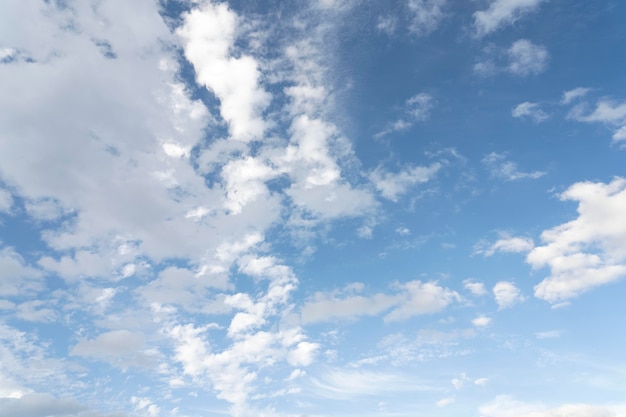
x: 329, y: 208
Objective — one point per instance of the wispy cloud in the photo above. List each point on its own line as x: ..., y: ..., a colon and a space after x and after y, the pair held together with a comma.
x: 500, y: 167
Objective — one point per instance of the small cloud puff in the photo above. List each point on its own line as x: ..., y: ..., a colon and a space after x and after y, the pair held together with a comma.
x: 527, y: 58
x: 501, y: 13
x: 507, y: 294
x: 529, y: 110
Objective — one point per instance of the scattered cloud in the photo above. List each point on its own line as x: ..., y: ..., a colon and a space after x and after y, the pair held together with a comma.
x: 609, y: 112
x: 505, y: 244
x: 393, y: 185
x: 529, y: 110
x: 416, y: 109
x: 502, y: 13
x: 507, y: 294
x: 574, y: 94
x: 410, y: 299
x: 476, y: 288
x: 481, y: 321
x: 426, y: 15
x: 500, y: 167
x: 340, y: 383
x: 588, y: 251
x: 527, y: 58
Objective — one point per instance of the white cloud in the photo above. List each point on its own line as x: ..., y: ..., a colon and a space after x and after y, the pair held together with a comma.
x: 345, y: 384
x: 588, y: 251
x: 387, y: 25
x: 506, y: 244
x: 574, y: 94
x: 16, y: 278
x: 324, y: 307
x: 481, y: 381
x: 445, y: 401
x: 393, y: 185
x: 114, y: 343
x: 425, y: 15
x: 609, y: 112
x: 481, y: 321
x: 411, y: 299
x: 505, y: 406
x: 500, y: 167
x: 416, y: 109
x: 507, y: 294
x: 422, y: 298
x: 527, y: 58
x: 476, y: 288
x: 501, y: 13
x: 529, y: 110
x: 208, y: 33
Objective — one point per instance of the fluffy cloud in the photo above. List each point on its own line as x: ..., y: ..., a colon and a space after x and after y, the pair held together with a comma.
x: 529, y: 110
x: 476, y: 288
x: 16, y: 278
x: 500, y: 167
x: 481, y: 321
x: 426, y: 15
x: 120, y: 347
x: 609, y: 112
x: 502, y: 13
x: 507, y: 294
x: 527, y: 58
x: 506, y: 244
x: 208, y: 34
x: 589, y: 250
x: 393, y: 185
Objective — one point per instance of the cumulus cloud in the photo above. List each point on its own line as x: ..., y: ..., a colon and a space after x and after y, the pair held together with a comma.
x: 500, y: 167
x: 476, y: 288
x: 507, y: 294
x: 481, y: 321
x: 425, y: 15
x: 502, y: 13
x: 588, y: 251
x: 393, y: 185
x: 506, y: 244
x: 208, y: 34
x: 527, y: 58
x: 609, y: 112
x: 529, y: 110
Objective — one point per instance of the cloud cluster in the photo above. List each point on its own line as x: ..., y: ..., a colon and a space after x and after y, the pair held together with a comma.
x: 589, y: 250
